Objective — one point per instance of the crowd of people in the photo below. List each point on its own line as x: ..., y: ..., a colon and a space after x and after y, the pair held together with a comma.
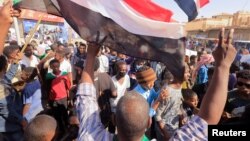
x: 87, y: 92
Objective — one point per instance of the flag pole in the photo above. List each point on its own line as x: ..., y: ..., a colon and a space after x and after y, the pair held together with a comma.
x: 17, y: 31
x: 15, y: 21
x: 31, y: 34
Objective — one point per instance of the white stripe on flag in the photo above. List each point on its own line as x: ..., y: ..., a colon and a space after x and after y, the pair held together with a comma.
x: 119, y: 12
x: 178, y: 14
x: 197, y: 2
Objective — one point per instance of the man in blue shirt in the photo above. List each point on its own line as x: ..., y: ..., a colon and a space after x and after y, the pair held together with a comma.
x: 10, y: 103
x: 11, y: 119
x: 146, y: 78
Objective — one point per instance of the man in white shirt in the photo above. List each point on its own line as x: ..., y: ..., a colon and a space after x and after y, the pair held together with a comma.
x: 104, y: 62
x: 29, y: 60
x: 122, y: 83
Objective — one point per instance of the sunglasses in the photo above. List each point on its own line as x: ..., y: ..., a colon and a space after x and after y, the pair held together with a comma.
x: 241, y: 84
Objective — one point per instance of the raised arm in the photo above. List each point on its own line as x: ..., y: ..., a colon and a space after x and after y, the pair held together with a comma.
x: 88, y: 72
x: 6, y: 14
x: 91, y: 128
x: 215, y: 98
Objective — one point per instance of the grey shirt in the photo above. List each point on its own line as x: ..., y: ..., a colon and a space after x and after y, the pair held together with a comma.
x: 169, y: 110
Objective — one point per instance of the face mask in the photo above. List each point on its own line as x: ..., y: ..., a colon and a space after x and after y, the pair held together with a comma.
x: 121, y: 74
x: 137, y: 67
x: 28, y: 54
x: 112, y: 57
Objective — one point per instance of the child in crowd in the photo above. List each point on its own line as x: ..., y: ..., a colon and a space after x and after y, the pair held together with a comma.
x: 59, y: 83
x: 168, y: 112
x: 59, y: 90
x: 189, y: 106
x: 31, y: 93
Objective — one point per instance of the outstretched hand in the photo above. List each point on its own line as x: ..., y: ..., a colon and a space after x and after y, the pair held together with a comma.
x: 163, y: 95
x: 88, y: 73
x: 7, y: 13
x: 93, y: 48
x: 213, y: 102
x: 6, y: 18
x: 225, y: 53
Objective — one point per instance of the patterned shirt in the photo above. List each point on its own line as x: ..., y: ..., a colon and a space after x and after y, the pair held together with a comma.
x: 169, y: 110
x: 91, y: 128
x: 195, y: 130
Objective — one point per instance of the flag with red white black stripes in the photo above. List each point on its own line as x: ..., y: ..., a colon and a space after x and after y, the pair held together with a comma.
x: 142, y: 29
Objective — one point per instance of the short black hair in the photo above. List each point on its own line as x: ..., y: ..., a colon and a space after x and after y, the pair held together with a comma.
x: 13, y: 43
x: 245, y: 65
x: 193, y: 57
x: 245, y: 74
x: 188, y: 93
x: 82, y: 44
x: 29, y: 45
x: 167, y: 75
x: 234, y: 68
x: 31, y: 71
x: 117, y: 64
x: 61, y: 44
x: 53, y: 61
x: 9, y: 49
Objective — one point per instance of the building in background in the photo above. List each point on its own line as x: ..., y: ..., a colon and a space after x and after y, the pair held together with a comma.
x: 50, y: 26
x: 241, y: 19
x: 210, y: 27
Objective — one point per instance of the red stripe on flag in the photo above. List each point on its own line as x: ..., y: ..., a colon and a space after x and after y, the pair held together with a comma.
x: 150, y: 10
x: 203, y: 2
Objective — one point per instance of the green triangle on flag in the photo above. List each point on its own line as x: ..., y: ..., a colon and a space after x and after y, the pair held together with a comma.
x: 16, y: 1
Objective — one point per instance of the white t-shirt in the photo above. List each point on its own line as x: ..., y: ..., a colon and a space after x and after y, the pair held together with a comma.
x: 65, y: 66
x: 121, y: 89
x: 27, y: 62
x: 41, y: 49
x: 104, y: 63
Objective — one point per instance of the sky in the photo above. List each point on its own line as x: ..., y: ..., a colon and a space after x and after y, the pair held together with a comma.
x: 215, y: 7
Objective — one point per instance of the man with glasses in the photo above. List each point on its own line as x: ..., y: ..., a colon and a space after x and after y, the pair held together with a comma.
x: 241, y: 95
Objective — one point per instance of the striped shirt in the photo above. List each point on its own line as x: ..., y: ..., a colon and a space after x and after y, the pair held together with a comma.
x: 91, y: 128
x: 195, y: 130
